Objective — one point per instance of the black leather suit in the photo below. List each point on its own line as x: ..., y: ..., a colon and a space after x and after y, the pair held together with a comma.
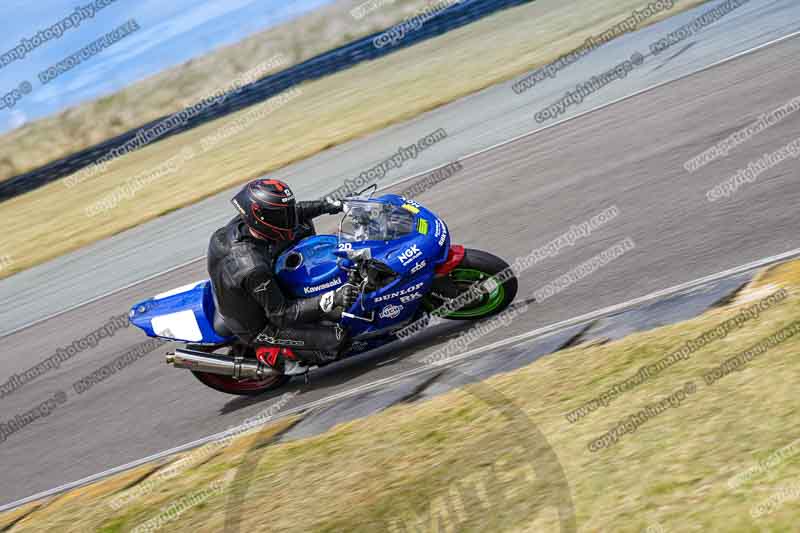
x: 249, y: 299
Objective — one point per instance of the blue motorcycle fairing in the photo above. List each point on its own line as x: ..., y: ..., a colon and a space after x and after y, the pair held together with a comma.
x: 309, y: 267
x: 413, y: 257
x: 312, y: 267
x: 183, y: 314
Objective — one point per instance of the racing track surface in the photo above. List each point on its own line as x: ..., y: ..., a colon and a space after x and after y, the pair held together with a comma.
x: 508, y: 200
x: 473, y: 123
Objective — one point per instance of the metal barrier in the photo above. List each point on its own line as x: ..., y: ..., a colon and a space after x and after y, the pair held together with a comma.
x: 327, y: 63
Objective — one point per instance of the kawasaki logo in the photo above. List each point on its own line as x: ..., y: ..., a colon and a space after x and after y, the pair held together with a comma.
x: 332, y: 283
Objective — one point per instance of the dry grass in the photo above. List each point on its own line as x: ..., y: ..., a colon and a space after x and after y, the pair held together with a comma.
x: 673, y: 471
x: 329, y: 111
x: 87, y: 124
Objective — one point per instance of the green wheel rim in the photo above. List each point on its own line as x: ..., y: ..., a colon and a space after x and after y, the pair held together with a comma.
x: 488, y: 303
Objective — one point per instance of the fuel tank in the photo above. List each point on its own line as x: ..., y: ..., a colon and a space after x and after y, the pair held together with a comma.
x: 309, y: 268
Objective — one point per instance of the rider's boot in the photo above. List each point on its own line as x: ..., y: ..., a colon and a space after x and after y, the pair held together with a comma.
x: 306, y: 345
x: 284, y: 360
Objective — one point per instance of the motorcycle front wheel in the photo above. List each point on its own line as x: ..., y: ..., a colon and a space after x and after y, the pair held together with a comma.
x: 476, y: 269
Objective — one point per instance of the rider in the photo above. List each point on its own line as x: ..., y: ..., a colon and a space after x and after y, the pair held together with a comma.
x: 241, y: 258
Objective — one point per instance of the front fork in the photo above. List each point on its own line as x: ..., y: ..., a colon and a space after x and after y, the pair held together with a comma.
x: 443, y: 287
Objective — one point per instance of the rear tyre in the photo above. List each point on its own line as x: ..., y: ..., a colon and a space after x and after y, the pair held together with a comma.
x: 241, y: 387
x: 477, y: 269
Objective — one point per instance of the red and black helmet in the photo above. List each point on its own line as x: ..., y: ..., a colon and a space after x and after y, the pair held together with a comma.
x: 268, y: 208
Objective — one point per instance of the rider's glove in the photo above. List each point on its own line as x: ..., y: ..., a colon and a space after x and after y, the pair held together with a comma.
x: 343, y: 298
x: 332, y: 206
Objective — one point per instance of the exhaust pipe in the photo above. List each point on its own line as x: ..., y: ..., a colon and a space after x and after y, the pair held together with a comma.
x: 211, y: 363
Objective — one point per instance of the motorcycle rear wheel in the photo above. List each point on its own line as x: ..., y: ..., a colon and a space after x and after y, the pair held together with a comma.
x: 477, y: 267
x: 241, y: 387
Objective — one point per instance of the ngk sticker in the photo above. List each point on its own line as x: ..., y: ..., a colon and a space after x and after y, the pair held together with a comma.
x: 409, y: 254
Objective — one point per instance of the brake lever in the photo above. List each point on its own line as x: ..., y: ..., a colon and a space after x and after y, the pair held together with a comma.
x: 356, y: 317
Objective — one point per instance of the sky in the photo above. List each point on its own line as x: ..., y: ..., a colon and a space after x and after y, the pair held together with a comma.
x: 171, y: 32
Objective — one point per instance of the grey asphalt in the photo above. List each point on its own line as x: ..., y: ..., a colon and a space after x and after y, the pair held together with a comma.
x: 473, y: 123
x: 508, y: 201
x: 669, y: 310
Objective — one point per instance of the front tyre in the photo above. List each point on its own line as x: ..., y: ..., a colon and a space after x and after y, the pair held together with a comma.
x: 477, y: 269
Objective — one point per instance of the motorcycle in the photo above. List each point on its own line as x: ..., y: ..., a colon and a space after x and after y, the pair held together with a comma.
x: 398, y: 254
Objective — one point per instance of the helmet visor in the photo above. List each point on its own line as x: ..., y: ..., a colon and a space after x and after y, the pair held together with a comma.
x: 275, y: 221
x: 278, y: 217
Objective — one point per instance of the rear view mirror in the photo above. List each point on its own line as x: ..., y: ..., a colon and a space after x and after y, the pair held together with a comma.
x: 361, y: 254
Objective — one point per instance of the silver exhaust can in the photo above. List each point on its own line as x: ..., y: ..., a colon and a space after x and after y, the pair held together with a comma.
x: 211, y: 363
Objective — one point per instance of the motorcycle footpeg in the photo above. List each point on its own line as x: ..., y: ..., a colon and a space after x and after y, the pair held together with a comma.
x: 293, y: 368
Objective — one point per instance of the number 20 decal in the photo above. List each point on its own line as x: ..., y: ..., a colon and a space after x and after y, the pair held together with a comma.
x: 345, y: 246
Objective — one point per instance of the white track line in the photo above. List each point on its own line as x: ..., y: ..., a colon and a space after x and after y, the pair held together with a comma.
x: 615, y: 309
x: 536, y: 333
x: 462, y: 158
x: 100, y: 297
x: 598, y: 107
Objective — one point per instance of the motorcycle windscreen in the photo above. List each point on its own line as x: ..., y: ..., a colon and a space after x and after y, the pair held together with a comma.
x: 371, y: 220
